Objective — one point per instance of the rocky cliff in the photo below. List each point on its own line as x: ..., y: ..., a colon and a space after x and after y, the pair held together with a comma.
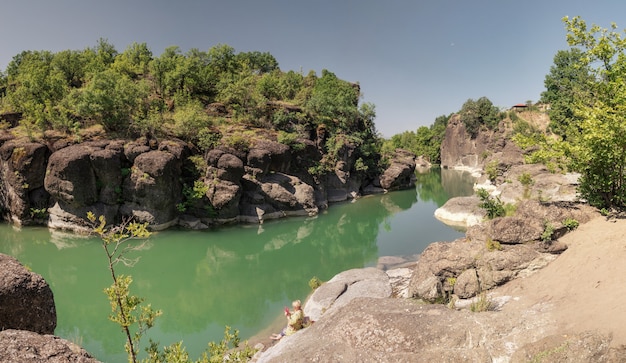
x: 170, y: 182
x: 461, y: 151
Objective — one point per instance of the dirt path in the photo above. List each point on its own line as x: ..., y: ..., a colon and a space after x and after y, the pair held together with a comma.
x: 584, y: 288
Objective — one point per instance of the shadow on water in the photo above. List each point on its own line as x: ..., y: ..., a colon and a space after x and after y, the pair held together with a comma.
x: 239, y: 276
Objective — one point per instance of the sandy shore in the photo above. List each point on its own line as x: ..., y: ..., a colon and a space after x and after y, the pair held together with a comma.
x: 583, y: 289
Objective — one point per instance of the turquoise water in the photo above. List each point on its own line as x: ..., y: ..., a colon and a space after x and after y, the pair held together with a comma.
x: 240, y: 276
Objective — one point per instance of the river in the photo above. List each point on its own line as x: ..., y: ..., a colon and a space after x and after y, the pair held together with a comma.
x: 240, y: 276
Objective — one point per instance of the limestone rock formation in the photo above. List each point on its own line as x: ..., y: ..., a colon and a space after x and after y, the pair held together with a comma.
x: 29, y: 347
x: 26, y: 300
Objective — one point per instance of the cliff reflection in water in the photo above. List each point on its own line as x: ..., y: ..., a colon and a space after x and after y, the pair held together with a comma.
x: 239, y: 276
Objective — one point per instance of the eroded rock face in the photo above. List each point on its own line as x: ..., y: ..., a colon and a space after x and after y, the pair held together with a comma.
x: 460, y: 151
x: 26, y: 300
x: 22, y: 171
x: 29, y: 347
x: 158, y: 182
x: 153, y: 189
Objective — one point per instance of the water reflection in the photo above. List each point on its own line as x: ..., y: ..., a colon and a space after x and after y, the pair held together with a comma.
x: 238, y: 276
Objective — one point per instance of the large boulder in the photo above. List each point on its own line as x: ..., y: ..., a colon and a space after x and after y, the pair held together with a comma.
x: 223, y: 180
x: 346, y: 286
x: 29, y: 347
x: 461, y: 211
x: 276, y: 195
x: 401, y: 171
x: 26, y: 300
x: 153, y: 189
x: 82, y: 178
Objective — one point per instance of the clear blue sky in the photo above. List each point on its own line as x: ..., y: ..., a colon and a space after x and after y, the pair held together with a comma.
x: 415, y: 60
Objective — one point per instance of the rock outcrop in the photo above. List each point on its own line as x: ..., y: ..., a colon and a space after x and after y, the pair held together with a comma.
x: 461, y: 151
x: 29, y: 347
x: 346, y: 286
x: 495, y: 251
x: 26, y: 300
x: 402, y: 330
x: 168, y: 182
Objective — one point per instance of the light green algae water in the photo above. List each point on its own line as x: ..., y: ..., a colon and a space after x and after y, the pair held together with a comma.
x: 240, y: 276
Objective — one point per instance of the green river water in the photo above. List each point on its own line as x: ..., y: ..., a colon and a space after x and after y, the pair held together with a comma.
x: 240, y: 276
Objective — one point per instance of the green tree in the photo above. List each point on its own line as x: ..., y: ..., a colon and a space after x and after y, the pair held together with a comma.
x: 566, y: 84
x: 258, y: 62
x: 109, y: 99
x: 476, y: 114
x: 334, y: 101
x: 34, y: 85
x: 134, y: 61
x: 601, y: 146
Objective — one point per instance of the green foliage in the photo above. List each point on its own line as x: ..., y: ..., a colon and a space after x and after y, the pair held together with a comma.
x: 566, y: 85
x: 526, y: 179
x: 208, y: 139
x: 189, y: 120
x: 315, y: 282
x: 109, y: 99
x: 555, y: 154
x: 492, y: 245
x: 38, y: 212
x: 570, y: 223
x: 290, y: 139
x: 478, y: 114
x: 426, y: 141
x: 491, y: 169
x: 238, y: 141
x: 601, y: 144
x: 227, y: 350
x: 192, y: 194
x: 334, y: 102
x: 548, y: 232
x: 126, y: 309
x: 492, y: 205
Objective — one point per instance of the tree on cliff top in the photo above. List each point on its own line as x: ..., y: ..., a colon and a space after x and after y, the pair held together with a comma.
x: 476, y: 114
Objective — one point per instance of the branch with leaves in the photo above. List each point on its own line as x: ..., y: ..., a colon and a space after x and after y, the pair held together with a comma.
x: 126, y: 309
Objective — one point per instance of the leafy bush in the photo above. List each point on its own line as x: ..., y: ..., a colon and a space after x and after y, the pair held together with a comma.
x: 548, y: 232
x: 493, y: 206
x: 491, y: 169
x: 526, y: 179
x: 315, y: 282
x: 493, y: 245
x: 570, y: 223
